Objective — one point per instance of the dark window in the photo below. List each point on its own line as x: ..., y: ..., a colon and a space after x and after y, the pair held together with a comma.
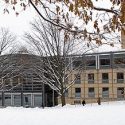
x: 104, y: 62
x: 77, y: 78
x: 91, y: 92
x: 66, y: 93
x: 91, y: 78
x: 91, y: 63
x: 77, y: 64
x: 37, y: 100
x: 119, y: 61
x: 7, y: 100
x: 120, y: 77
x: 105, y: 92
x: 17, y: 100
x: 120, y: 92
x: 105, y: 78
x: 77, y: 92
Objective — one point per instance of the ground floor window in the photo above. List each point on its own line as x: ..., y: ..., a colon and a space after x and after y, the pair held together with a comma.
x: 91, y: 92
x: 7, y: 100
x: 17, y: 100
x: 37, y: 100
x: 27, y: 99
x: 120, y: 92
x: 77, y: 92
x: 105, y: 92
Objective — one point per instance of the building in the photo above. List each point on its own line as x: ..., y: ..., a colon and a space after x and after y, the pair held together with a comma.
x: 20, y: 86
x: 103, y: 75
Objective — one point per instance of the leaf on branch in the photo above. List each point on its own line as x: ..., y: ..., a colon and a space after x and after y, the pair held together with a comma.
x: 111, y: 44
x: 6, y: 11
x: 99, y: 42
x: 57, y: 9
x: 13, y: 2
x: 17, y: 13
x: 71, y: 7
x: 96, y: 24
x: 98, y: 30
x: 14, y: 8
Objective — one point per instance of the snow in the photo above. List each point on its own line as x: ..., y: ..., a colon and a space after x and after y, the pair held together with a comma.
x: 92, y: 114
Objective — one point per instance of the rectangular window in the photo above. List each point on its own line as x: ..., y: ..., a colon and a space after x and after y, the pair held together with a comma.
x: 119, y: 61
x: 105, y: 92
x: 91, y: 78
x: 77, y: 92
x: 104, y: 62
x: 17, y: 100
x: 76, y: 63
x: 66, y: 93
x: 77, y: 78
x: 91, y: 92
x: 120, y: 92
x: 37, y: 100
x: 90, y: 63
x: 120, y: 77
x: 7, y: 100
x: 105, y: 78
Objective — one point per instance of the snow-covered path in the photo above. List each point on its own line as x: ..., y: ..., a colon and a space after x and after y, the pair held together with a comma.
x: 105, y: 114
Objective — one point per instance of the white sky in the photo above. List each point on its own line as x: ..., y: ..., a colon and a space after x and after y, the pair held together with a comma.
x: 20, y: 24
x: 17, y: 24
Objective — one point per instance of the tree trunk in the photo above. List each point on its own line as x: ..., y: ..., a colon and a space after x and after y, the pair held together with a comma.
x: 63, y: 99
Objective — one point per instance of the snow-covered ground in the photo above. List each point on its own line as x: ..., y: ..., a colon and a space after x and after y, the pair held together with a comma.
x: 112, y: 113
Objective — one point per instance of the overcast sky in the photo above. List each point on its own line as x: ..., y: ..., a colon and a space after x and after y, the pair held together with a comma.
x: 20, y: 24
x: 17, y: 24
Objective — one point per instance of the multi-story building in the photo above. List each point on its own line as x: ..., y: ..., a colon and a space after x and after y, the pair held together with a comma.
x: 98, y: 75
x: 102, y: 75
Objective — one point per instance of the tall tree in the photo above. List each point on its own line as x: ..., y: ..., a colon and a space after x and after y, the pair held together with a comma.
x: 56, y: 49
x: 7, y: 40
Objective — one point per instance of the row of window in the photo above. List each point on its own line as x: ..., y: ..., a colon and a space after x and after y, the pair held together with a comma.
x: 105, y: 92
x: 105, y: 78
x: 102, y: 62
x: 15, y: 100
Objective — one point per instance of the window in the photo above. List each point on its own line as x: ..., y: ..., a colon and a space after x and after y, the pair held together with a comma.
x: 91, y: 78
x: 66, y: 93
x: 120, y: 92
x: 120, y: 77
x: 104, y: 62
x: 105, y: 92
x: 7, y: 100
x: 105, y: 78
x: 119, y: 61
x: 27, y: 100
x: 77, y: 63
x: 17, y: 100
x: 77, y: 92
x: 77, y: 78
x: 91, y: 92
x: 38, y: 100
x: 91, y: 63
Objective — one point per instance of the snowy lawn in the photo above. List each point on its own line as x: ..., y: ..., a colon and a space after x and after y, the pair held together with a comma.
x: 112, y: 113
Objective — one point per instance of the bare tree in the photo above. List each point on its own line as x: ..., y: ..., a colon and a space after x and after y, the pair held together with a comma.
x: 7, y: 40
x: 60, y: 56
